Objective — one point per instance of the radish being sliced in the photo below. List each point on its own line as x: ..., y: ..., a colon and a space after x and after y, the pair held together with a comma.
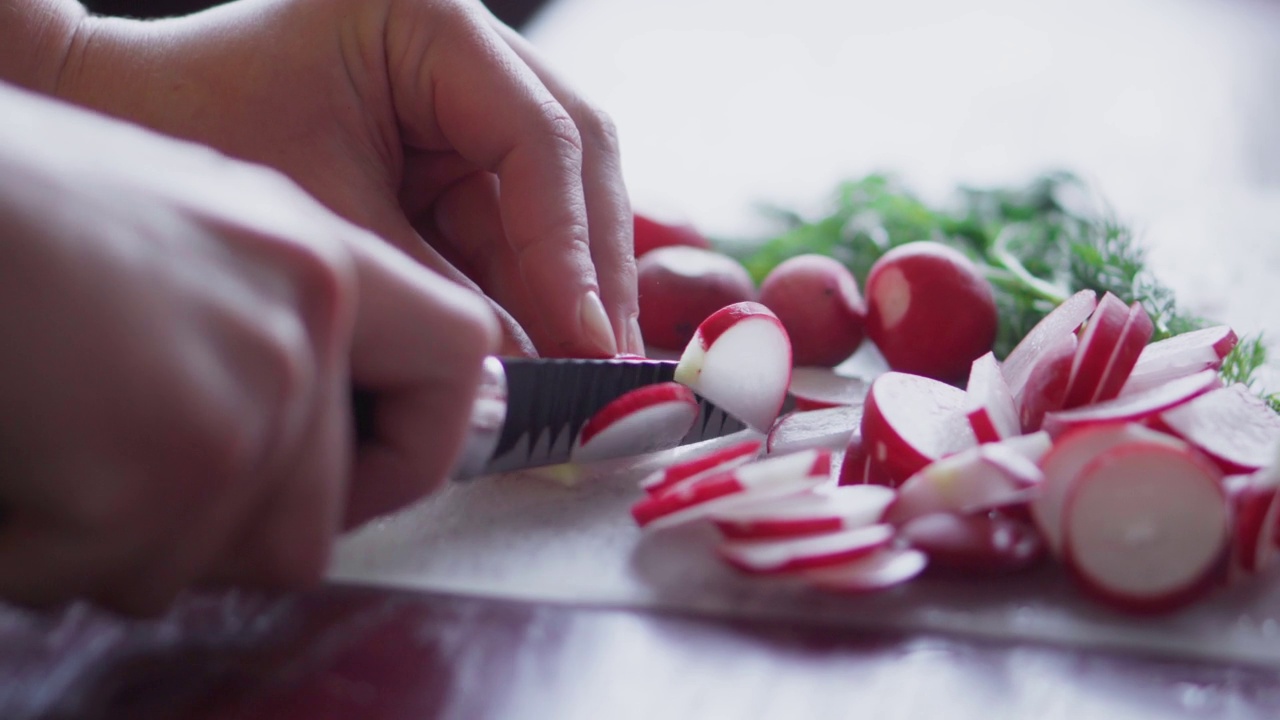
x: 1179, y: 356
x: 815, y: 388
x: 825, y: 509
x: 1145, y: 526
x: 992, y: 413
x: 1255, y: 500
x: 1060, y: 322
x: 1046, y: 386
x: 881, y: 570
x: 647, y: 419
x: 772, y: 477
x: 1138, y: 406
x: 829, y: 428
x: 807, y: 552
x: 1099, y: 343
x: 910, y: 420
x: 988, y: 544
x: 974, y: 480
x: 1232, y: 425
x: 740, y: 359
x: 694, y: 468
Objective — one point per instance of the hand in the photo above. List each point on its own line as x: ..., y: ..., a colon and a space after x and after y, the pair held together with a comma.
x: 424, y: 121
x: 181, y: 337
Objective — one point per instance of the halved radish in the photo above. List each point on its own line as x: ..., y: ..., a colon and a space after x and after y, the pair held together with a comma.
x: 910, y: 420
x: 815, y: 388
x: 856, y: 467
x: 1232, y: 425
x: 647, y: 419
x: 772, y: 477
x: 1179, y: 356
x: 1145, y: 526
x: 1060, y: 322
x: 824, y: 509
x: 1099, y: 343
x: 830, y: 428
x: 1045, y: 390
x: 987, y: 544
x: 810, y: 551
x: 881, y: 570
x: 717, y: 460
x: 1255, y: 500
x: 992, y: 413
x: 974, y: 480
x: 1138, y: 406
x: 740, y: 359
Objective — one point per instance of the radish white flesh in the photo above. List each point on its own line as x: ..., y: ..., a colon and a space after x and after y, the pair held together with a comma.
x: 1145, y: 526
x: 1098, y: 344
x: 1255, y: 499
x: 969, y: 481
x: 1032, y: 446
x: 992, y: 413
x: 698, y: 467
x: 883, y: 569
x: 800, y: 553
x: 1232, y: 425
x: 830, y: 428
x: 645, y: 420
x: 1138, y: 406
x: 814, y: 388
x: 825, y: 509
x: 986, y: 544
x: 1179, y: 356
x: 910, y: 420
x: 1060, y: 322
x: 740, y: 359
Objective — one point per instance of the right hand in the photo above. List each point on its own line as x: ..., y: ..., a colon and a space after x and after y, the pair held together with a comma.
x: 180, y: 335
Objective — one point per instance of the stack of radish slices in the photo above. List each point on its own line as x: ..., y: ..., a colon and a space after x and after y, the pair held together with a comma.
x: 1127, y: 461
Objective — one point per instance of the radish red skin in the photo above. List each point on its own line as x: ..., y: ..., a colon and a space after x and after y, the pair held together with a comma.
x: 626, y: 404
x: 680, y: 286
x: 651, y: 234
x: 929, y: 310
x: 930, y: 411
x: 1098, y: 344
x: 1135, y: 407
x: 1046, y: 385
x: 817, y: 300
x: 722, y: 459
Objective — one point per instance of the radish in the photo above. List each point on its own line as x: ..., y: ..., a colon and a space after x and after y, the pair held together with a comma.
x: 824, y: 509
x: 801, y: 553
x: 1059, y: 323
x: 830, y: 428
x: 718, y: 460
x: 987, y: 544
x: 856, y: 467
x: 974, y: 480
x: 1045, y: 389
x: 768, y: 478
x: 815, y: 388
x: 992, y: 413
x: 1145, y: 526
x: 910, y: 420
x: 1138, y: 406
x: 651, y: 234
x: 1255, y: 500
x: 1031, y: 446
x: 1179, y: 356
x: 881, y: 570
x: 1232, y: 425
x: 680, y: 286
x: 740, y: 359
x: 645, y: 420
x: 1113, y: 339
x: 817, y: 300
x: 930, y: 310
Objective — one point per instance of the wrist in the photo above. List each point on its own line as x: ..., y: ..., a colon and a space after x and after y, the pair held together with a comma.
x: 36, y: 37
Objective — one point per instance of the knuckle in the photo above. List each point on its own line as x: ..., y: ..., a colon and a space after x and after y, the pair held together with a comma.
x: 598, y: 128
x: 558, y: 125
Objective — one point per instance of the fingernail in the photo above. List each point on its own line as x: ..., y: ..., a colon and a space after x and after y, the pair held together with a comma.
x: 635, y: 338
x: 595, y: 324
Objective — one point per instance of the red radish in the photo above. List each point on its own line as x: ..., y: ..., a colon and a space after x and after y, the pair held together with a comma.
x: 740, y: 359
x: 1255, y: 499
x: 1138, y: 406
x: 992, y: 413
x: 856, y: 467
x: 830, y: 428
x: 651, y: 234
x: 815, y: 388
x: 930, y: 310
x: 824, y: 509
x: 801, y: 553
x: 910, y: 420
x: 1232, y: 425
x: 1146, y: 526
x: 817, y: 300
x: 988, y: 544
x: 679, y: 287
x: 718, y: 460
x: 647, y: 419
x: 1060, y: 322
x: 1046, y: 387
x: 883, y: 569
x: 1099, y: 343
x: 974, y: 480
x: 1179, y: 356
x: 768, y: 478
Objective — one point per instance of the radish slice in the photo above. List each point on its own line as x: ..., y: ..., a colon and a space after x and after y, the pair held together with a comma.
x: 1060, y: 322
x: 768, y: 478
x: 992, y: 413
x: 647, y: 419
x: 968, y: 544
x: 1137, y: 332
x: 801, y: 553
x: 1099, y: 343
x: 815, y: 388
x: 1179, y: 356
x: 830, y: 428
x: 1138, y: 406
x: 740, y: 359
x: 1145, y: 526
x: 856, y: 467
x: 910, y: 420
x: 1232, y: 425
x: 1255, y: 499
x: 970, y: 481
x: 1045, y: 390
x: 883, y: 569
x: 701, y: 466
x: 1032, y: 446
x: 826, y: 509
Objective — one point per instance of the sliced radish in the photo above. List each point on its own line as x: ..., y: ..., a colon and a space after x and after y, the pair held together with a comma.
x: 883, y: 569
x: 740, y: 359
x: 910, y: 420
x: 1099, y: 343
x: 830, y: 428
x: 992, y: 413
x: 815, y: 388
x: 825, y: 509
x: 718, y: 460
x: 1032, y: 446
x: 647, y: 419
x: 1138, y: 406
x: 1232, y: 425
x: 772, y: 477
x: 1145, y: 526
x: 974, y: 480
x: 986, y: 544
x: 1060, y: 322
x: 1179, y: 356
x: 801, y: 553
x: 1255, y: 499
x: 1138, y: 329
x: 856, y: 467
x: 1045, y: 390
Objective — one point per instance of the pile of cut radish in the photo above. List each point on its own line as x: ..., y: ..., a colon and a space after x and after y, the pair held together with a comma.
x: 1127, y: 462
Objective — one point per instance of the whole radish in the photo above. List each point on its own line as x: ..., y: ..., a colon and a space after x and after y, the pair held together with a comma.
x: 930, y: 310
x: 651, y: 234
x: 817, y: 300
x: 681, y: 286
